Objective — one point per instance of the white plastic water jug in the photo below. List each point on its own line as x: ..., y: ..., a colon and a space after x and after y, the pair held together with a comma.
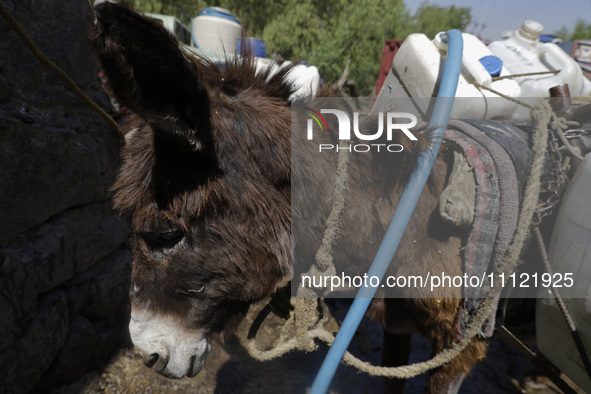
x: 418, y: 65
x: 216, y: 30
x: 304, y: 79
x: 522, y: 53
x: 569, y: 254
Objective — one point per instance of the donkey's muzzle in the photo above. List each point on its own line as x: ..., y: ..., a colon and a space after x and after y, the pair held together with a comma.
x: 168, y: 347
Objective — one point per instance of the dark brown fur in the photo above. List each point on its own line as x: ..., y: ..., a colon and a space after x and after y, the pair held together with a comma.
x: 206, y: 186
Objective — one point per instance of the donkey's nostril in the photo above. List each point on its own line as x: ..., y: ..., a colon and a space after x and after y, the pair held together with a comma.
x: 192, y: 372
x: 150, y: 361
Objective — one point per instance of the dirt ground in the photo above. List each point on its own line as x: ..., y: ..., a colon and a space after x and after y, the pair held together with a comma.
x: 229, y: 369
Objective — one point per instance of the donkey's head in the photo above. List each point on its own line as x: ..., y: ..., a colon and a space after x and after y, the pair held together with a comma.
x: 204, y: 184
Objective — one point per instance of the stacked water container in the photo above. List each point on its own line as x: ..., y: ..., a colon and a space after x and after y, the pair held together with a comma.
x: 216, y: 30
x: 418, y: 64
x: 217, y: 35
x: 523, y: 53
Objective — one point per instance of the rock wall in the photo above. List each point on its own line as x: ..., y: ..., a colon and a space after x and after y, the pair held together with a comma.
x: 64, y: 267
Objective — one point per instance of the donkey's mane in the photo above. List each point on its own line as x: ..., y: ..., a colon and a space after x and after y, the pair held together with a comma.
x: 239, y: 74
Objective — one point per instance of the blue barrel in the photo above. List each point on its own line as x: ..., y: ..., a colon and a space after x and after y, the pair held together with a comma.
x: 257, y: 47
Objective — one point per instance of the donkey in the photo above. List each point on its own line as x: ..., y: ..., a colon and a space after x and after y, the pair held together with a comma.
x: 205, y: 184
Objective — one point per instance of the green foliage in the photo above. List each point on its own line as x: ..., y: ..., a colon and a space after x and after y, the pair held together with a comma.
x: 296, y: 31
x: 182, y: 9
x: 431, y: 19
x: 581, y: 31
x: 328, y: 34
x: 356, y: 34
x: 254, y: 14
x: 331, y: 34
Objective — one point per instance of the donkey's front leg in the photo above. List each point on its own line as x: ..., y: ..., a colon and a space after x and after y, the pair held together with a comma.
x: 395, y: 352
x: 448, y: 378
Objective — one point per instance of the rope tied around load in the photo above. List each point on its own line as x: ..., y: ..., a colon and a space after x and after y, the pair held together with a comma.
x: 308, y: 316
x: 324, y: 260
x: 309, y: 312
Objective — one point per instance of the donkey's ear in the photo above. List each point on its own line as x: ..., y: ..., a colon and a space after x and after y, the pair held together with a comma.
x: 149, y: 73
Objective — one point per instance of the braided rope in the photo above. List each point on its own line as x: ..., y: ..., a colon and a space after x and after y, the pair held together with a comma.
x: 14, y: 25
x: 525, y: 75
x: 541, y: 116
x: 324, y: 256
x: 324, y: 264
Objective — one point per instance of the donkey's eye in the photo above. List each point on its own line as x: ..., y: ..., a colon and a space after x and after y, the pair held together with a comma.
x: 163, y: 240
x: 171, y: 235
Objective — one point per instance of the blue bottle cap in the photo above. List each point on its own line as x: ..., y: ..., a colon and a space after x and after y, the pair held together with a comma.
x: 492, y: 64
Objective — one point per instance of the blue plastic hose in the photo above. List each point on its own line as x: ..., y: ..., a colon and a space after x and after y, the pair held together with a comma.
x: 406, y: 206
